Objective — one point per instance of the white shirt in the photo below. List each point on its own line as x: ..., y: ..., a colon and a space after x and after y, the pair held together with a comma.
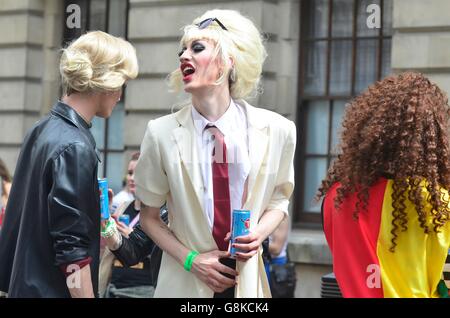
x: 233, y: 125
x: 120, y: 198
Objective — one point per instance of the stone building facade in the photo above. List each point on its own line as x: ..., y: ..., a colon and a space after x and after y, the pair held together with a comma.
x: 414, y: 35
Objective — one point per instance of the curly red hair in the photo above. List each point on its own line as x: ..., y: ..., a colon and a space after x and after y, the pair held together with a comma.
x: 398, y: 127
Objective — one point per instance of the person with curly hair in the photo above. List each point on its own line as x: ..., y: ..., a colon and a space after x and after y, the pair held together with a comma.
x: 385, y: 198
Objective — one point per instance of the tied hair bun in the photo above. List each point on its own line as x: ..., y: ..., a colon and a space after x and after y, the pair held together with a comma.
x: 77, y: 70
x: 97, y: 62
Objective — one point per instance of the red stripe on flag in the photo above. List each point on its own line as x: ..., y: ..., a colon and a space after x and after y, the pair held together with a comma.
x: 354, y: 242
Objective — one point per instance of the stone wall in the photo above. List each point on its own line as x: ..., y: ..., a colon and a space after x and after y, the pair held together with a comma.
x: 421, y: 39
x: 27, y: 74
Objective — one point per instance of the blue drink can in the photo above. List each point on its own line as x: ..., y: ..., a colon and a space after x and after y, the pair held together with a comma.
x: 104, y: 200
x: 240, y: 227
x: 125, y: 218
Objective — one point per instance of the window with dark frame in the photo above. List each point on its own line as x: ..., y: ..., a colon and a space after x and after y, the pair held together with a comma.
x: 109, y: 16
x: 340, y: 56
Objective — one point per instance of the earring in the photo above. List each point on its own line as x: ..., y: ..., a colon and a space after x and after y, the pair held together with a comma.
x: 233, y: 75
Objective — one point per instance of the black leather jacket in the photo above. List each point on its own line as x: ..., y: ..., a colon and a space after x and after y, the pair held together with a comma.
x: 138, y: 246
x: 52, y: 217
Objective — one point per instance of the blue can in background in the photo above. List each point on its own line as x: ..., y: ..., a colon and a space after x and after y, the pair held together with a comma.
x: 240, y: 226
x: 104, y: 200
x: 125, y: 218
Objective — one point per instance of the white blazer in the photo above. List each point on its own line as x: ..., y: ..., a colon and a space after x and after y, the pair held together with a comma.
x: 169, y: 170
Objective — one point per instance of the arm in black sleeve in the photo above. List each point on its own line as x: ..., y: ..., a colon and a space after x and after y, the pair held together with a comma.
x: 135, y: 248
x: 71, y: 213
x: 138, y: 246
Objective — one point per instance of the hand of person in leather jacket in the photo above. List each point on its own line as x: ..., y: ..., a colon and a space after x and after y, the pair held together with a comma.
x: 109, y: 228
x: 124, y: 229
x: 103, y: 223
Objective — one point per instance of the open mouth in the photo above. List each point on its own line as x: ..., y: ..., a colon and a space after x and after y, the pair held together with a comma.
x: 187, y: 69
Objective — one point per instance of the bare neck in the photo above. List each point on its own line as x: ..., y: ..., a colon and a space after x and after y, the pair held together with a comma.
x: 212, y: 104
x: 84, y: 105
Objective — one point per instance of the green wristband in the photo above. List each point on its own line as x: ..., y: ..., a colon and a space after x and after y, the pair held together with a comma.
x: 109, y: 229
x: 190, y: 260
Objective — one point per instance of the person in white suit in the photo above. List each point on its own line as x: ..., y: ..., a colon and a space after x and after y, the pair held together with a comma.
x: 216, y: 154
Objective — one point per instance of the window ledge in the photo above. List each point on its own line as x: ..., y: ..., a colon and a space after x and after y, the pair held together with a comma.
x: 309, y: 247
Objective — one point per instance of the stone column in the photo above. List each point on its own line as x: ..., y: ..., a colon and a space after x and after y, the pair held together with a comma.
x: 53, y: 28
x: 21, y: 71
x: 30, y: 35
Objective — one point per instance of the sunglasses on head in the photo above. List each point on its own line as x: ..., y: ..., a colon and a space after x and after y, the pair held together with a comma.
x: 205, y: 23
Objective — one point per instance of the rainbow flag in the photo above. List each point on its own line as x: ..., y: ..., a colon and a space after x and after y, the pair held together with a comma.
x: 362, y: 262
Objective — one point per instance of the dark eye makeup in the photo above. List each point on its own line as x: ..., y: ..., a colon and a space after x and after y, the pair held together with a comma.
x: 196, y: 47
x: 181, y: 52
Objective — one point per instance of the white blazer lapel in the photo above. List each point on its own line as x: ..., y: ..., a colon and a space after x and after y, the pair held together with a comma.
x: 184, y: 136
x: 258, y: 140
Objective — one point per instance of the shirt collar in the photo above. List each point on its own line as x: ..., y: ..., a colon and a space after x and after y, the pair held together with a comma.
x: 226, y: 123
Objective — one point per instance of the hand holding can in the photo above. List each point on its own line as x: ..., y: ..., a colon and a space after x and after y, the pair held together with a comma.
x: 104, y: 199
x: 240, y: 227
x: 125, y: 219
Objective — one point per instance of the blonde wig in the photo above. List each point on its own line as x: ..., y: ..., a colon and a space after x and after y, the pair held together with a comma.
x: 97, y: 62
x: 242, y: 42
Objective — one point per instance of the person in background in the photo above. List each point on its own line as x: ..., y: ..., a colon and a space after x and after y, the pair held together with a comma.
x: 386, y: 209
x: 277, y: 246
x: 5, y: 189
x: 129, y: 266
x: 280, y: 271
x: 49, y: 243
x: 126, y: 196
x: 127, y: 193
